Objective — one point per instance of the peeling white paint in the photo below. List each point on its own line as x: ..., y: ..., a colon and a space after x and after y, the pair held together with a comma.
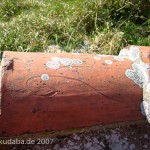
x: 66, y: 62
x: 45, y: 77
x: 53, y: 64
x: 144, y: 108
x: 109, y: 62
x: 97, y: 57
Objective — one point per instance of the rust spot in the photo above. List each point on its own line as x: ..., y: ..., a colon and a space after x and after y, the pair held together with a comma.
x: 8, y: 64
x: 34, y: 110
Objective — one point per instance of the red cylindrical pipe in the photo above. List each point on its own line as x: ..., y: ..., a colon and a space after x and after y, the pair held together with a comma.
x: 44, y: 92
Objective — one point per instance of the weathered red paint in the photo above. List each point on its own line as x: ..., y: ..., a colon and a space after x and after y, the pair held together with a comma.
x: 87, y: 94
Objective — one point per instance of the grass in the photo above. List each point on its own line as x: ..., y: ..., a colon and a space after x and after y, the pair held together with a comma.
x: 101, y: 26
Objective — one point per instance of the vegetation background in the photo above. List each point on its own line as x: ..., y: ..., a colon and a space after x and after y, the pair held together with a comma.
x: 101, y: 26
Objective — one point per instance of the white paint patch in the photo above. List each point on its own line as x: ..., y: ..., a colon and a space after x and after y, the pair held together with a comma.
x: 138, y: 74
x: 55, y: 58
x: 66, y: 62
x: 45, y: 77
x: 97, y: 57
x: 109, y: 62
x: 144, y: 108
x: 53, y: 64
x: 148, y: 88
x: 77, y: 61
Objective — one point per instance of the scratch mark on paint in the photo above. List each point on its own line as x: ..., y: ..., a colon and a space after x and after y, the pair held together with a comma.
x: 99, y: 92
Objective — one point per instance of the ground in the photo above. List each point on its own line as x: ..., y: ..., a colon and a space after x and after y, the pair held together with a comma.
x: 129, y: 137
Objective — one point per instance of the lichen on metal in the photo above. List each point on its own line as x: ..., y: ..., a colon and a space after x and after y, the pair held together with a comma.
x: 66, y: 62
x: 45, y: 77
x: 146, y: 99
x: 77, y: 61
x: 109, y: 62
x: 145, y: 108
x: 97, y: 57
x: 148, y: 88
x: 118, y: 58
x: 134, y: 53
x: 53, y: 64
x: 56, y: 59
x: 139, y: 73
x: 104, y: 55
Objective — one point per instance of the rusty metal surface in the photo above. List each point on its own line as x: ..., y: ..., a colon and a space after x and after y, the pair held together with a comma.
x: 48, y: 92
